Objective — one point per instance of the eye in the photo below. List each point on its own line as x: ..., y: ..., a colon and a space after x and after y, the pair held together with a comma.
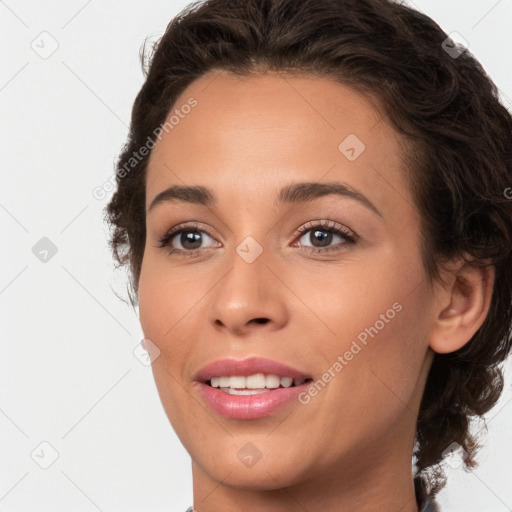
x: 318, y: 236
x: 187, y: 239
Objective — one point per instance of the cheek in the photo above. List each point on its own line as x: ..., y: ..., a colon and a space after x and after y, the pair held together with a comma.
x: 169, y: 301
x: 357, y: 298
x: 166, y: 297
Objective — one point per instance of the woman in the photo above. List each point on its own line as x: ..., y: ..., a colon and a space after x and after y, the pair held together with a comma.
x: 313, y: 205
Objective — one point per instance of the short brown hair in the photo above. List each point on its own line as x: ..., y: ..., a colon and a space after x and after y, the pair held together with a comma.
x: 459, y: 158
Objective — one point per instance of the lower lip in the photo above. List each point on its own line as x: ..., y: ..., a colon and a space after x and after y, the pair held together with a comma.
x: 250, y: 407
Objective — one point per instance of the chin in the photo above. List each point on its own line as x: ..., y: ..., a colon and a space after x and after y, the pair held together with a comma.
x: 263, y: 476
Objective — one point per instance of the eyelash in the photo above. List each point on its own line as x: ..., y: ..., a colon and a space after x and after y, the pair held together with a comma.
x: 328, y: 226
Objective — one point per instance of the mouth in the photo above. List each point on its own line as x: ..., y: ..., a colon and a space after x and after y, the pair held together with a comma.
x: 249, y: 389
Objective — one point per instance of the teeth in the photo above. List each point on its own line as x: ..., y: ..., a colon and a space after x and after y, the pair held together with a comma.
x: 258, y: 381
x: 286, y: 382
x: 237, y: 382
x: 272, y: 381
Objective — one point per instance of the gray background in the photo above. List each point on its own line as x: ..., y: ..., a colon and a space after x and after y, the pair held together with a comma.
x: 69, y: 377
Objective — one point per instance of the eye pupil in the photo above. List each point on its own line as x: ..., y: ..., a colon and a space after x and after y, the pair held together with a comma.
x: 324, y: 237
x: 191, y: 239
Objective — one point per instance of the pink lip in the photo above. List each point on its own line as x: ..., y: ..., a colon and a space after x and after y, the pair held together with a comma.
x: 248, y: 407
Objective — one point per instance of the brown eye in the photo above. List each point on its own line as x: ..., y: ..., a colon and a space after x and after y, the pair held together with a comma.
x: 188, y: 240
x: 321, y: 238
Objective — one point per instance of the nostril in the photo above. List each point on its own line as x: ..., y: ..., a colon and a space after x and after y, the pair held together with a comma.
x: 261, y: 320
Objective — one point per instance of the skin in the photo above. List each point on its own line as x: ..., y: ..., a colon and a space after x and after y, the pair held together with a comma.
x: 350, y: 447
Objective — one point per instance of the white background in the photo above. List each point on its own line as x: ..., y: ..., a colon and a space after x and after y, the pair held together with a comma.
x: 68, y: 375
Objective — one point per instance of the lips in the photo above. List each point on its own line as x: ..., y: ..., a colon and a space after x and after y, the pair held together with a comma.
x: 249, y: 405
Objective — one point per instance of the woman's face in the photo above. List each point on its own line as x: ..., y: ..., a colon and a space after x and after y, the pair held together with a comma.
x: 327, y: 281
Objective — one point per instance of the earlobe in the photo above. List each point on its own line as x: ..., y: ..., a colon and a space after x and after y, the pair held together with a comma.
x: 463, y: 304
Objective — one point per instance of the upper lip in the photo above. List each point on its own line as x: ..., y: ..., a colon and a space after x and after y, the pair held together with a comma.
x: 245, y: 367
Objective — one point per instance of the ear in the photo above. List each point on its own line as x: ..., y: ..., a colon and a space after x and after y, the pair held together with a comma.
x: 461, y: 306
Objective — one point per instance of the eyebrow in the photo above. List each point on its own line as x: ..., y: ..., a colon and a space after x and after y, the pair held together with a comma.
x: 294, y: 193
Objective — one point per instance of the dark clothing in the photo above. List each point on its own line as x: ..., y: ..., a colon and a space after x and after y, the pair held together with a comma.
x: 426, y: 503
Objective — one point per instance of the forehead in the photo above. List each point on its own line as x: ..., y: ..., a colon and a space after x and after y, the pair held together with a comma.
x: 258, y: 133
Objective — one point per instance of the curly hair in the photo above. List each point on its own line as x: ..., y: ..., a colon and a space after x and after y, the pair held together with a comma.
x: 456, y: 133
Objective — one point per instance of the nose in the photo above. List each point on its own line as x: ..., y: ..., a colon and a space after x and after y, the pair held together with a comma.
x: 248, y: 298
